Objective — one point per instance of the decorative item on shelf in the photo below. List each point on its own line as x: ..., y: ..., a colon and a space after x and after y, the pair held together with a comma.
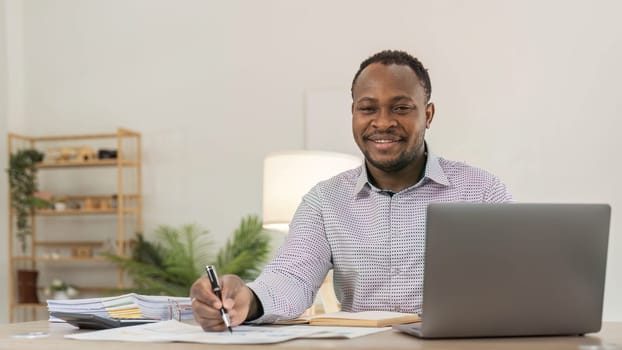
x: 60, y: 154
x: 88, y: 203
x: 113, y: 201
x: 171, y: 264
x: 51, y: 254
x: 70, y: 154
x: 74, y: 204
x: 60, y: 290
x: 67, y: 154
x: 60, y: 203
x: 85, y: 154
x: 23, y: 185
x: 82, y: 252
x: 27, y: 286
x: 107, y: 153
x: 104, y: 204
x: 60, y: 206
x: 52, y: 154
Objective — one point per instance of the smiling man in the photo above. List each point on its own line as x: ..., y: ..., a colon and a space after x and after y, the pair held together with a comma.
x: 368, y: 223
x: 390, y: 113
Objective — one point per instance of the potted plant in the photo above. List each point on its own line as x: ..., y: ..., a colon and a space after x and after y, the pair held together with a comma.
x: 23, y: 185
x: 170, y: 264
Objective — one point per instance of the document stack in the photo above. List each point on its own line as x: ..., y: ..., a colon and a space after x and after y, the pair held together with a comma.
x: 127, y: 306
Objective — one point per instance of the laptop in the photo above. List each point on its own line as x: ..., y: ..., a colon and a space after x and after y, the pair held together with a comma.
x: 513, y: 269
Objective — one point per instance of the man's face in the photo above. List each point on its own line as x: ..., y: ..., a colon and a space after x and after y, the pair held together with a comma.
x: 390, y: 115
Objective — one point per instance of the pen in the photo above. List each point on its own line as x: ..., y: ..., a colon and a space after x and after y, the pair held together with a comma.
x: 213, y: 279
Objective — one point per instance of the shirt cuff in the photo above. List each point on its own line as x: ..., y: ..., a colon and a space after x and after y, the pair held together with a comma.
x: 267, y: 304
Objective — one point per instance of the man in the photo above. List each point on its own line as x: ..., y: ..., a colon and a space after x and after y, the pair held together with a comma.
x: 368, y: 223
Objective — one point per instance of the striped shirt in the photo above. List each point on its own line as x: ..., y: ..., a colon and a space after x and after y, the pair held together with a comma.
x: 371, y: 238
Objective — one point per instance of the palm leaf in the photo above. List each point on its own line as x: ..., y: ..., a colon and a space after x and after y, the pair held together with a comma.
x: 176, y: 259
x: 246, y: 253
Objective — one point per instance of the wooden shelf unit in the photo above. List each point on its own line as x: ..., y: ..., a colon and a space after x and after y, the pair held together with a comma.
x: 128, y: 207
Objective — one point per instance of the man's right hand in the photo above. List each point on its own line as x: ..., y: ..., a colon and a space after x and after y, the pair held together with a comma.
x: 238, y: 300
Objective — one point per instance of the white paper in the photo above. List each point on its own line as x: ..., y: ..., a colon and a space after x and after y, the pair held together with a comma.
x: 175, y: 331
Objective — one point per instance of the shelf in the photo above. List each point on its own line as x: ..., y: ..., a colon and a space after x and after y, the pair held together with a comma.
x: 86, y: 164
x: 68, y: 212
x: 71, y: 197
x: 62, y: 259
x: 29, y: 305
x: 93, y: 244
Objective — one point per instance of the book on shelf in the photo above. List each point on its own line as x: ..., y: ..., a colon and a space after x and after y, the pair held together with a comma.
x: 356, y: 319
x: 126, y: 306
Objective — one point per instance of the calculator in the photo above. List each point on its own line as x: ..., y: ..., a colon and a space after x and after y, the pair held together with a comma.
x: 90, y: 321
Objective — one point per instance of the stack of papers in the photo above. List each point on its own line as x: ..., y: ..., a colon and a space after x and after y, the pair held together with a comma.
x: 126, y: 306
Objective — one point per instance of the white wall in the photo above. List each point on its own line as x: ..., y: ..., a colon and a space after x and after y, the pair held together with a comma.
x: 526, y: 89
x: 3, y: 160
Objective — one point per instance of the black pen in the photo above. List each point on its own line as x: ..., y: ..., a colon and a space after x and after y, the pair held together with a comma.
x: 213, y: 279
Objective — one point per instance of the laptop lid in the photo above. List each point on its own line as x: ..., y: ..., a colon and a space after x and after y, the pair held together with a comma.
x: 514, y: 269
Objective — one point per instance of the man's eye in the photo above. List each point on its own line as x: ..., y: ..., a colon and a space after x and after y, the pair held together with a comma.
x: 402, y: 109
x: 367, y: 109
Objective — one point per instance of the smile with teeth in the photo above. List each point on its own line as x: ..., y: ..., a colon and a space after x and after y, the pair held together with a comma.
x: 384, y: 141
x: 384, y: 144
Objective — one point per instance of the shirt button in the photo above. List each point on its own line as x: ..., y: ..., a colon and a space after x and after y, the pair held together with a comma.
x: 397, y: 309
x: 396, y: 271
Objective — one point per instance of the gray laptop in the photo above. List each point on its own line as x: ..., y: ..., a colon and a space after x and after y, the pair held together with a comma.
x: 515, y: 269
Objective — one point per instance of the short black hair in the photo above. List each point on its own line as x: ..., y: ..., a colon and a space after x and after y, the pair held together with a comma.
x: 388, y: 57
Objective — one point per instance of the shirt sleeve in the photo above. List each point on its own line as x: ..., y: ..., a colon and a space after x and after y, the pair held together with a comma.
x: 498, y: 192
x: 288, y: 284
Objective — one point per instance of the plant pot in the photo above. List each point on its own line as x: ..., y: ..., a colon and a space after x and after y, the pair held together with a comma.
x: 27, y: 286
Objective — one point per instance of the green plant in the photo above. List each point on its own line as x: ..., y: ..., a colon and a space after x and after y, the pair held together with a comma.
x: 23, y: 184
x: 177, y: 258
x: 245, y: 254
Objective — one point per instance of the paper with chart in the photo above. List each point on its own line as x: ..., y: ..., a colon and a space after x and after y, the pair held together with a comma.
x: 175, y: 331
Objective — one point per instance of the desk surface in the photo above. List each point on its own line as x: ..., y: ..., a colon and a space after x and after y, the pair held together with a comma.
x: 611, y: 334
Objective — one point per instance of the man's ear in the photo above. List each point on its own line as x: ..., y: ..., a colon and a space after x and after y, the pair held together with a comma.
x: 429, y: 114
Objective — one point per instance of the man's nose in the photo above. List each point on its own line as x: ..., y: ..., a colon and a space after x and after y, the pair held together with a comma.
x: 384, y: 119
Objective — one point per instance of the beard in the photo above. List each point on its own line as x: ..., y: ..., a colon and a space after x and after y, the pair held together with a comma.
x: 394, y: 165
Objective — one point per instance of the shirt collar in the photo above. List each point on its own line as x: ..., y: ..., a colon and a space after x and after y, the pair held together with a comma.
x: 433, y: 171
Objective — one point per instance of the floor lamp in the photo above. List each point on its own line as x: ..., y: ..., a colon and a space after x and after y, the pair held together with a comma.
x: 287, y: 177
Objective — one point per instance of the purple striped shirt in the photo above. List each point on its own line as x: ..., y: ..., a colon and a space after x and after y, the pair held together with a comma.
x: 373, y: 241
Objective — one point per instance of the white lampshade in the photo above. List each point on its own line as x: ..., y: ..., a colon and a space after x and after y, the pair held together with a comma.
x: 288, y: 176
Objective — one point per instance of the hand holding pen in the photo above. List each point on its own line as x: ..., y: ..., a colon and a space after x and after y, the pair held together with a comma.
x: 230, y: 294
x: 213, y: 279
